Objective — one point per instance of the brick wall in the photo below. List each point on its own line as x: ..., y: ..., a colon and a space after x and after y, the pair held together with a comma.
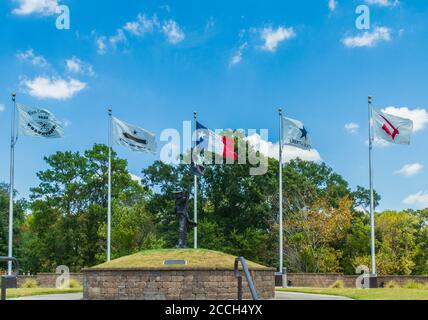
x: 325, y: 280
x: 48, y: 280
x: 21, y: 279
x: 140, y: 284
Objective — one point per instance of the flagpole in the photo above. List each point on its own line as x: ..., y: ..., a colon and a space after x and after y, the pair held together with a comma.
x: 196, y: 194
x: 372, y: 206
x: 12, y: 182
x: 281, y: 235
x: 109, y: 187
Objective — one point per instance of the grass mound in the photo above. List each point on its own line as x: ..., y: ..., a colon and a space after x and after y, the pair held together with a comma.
x: 196, y: 259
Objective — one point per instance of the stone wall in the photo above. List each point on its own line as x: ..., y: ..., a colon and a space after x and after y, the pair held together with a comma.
x: 143, y: 284
x: 48, y: 280
x: 21, y: 279
x: 325, y: 280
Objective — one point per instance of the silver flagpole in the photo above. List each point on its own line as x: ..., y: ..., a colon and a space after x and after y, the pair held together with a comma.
x: 196, y: 195
x: 109, y: 187
x: 12, y: 182
x: 372, y: 206
x: 281, y: 234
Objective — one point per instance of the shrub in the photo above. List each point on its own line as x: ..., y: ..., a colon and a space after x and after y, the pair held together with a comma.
x: 413, y: 285
x: 29, y: 283
x: 392, y: 285
x: 74, y: 284
x: 339, y: 284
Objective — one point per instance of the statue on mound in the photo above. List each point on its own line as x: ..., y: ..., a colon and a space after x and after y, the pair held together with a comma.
x: 181, y: 206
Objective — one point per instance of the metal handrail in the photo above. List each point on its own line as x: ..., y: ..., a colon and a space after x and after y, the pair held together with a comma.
x: 15, y: 261
x: 247, y: 273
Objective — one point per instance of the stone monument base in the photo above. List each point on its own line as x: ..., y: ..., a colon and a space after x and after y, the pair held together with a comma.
x: 149, y: 275
x: 143, y: 284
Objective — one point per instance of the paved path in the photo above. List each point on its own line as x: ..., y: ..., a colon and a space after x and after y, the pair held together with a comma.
x: 55, y: 297
x: 305, y: 296
x: 278, y: 296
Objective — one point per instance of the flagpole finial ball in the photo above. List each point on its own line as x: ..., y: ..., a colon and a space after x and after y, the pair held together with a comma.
x: 13, y: 94
x: 370, y: 98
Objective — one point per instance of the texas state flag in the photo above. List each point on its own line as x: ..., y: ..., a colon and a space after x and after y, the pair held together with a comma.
x: 212, y: 142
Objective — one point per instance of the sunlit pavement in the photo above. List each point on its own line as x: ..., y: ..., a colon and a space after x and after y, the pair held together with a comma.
x: 55, y: 297
x: 304, y: 296
x: 278, y: 296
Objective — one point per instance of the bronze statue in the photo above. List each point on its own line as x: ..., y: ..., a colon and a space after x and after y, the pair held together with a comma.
x: 181, y: 206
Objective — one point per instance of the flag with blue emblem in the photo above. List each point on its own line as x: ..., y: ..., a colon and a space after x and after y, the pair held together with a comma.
x: 35, y: 122
x: 295, y: 134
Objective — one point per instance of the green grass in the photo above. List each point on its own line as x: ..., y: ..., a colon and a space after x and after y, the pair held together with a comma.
x: 27, y: 292
x: 196, y: 259
x: 367, y: 294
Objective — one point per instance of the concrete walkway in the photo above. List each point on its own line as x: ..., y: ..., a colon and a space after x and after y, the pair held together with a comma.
x: 305, y: 296
x: 278, y: 296
x: 55, y: 297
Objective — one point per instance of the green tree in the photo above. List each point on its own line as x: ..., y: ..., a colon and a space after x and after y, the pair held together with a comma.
x: 396, y: 235
x: 19, y: 218
x: 69, y: 208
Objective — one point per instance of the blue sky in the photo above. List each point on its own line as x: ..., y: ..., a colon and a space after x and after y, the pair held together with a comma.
x: 235, y: 62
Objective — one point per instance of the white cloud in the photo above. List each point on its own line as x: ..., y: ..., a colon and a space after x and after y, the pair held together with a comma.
x: 30, y: 57
x: 383, y: 3
x: 43, y: 7
x: 173, y: 32
x: 273, y: 37
x: 418, y: 200
x: 142, y: 25
x: 418, y: 116
x: 352, y: 127
x: 237, y: 56
x: 368, y: 38
x: 332, y: 5
x: 136, y: 178
x: 119, y: 37
x: 410, y: 170
x: 75, y: 65
x: 2, y: 107
x: 100, y: 42
x: 53, y: 88
x: 289, y: 153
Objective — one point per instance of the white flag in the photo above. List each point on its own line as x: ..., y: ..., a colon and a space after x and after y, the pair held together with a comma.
x: 391, y: 128
x: 135, y: 138
x: 295, y: 134
x: 35, y: 122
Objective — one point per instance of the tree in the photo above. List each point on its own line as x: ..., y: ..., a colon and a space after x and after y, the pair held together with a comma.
x: 362, y: 198
x: 69, y: 208
x: 313, y: 234
x: 396, y: 243
x: 18, y: 220
x: 238, y: 213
